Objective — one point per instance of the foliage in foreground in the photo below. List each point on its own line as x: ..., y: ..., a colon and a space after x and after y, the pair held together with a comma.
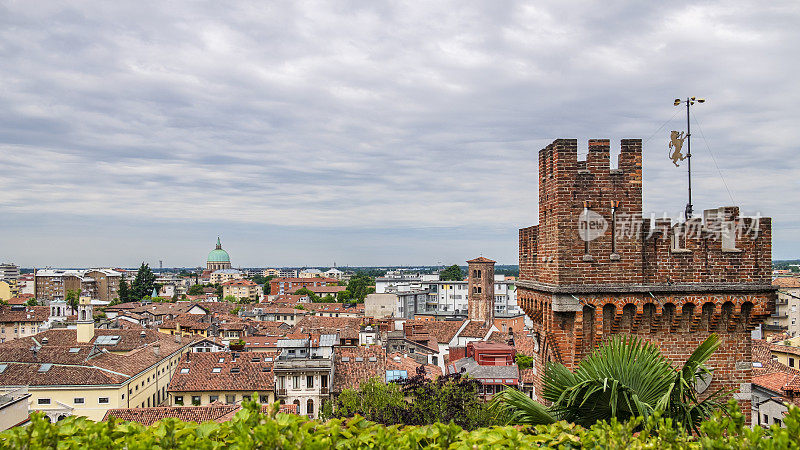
x: 417, y: 401
x: 252, y: 430
x: 623, y: 379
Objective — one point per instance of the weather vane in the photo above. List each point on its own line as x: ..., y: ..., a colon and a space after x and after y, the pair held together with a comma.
x: 676, y: 144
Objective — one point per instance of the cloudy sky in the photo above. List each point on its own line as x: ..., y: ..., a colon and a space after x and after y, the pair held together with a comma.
x: 370, y: 133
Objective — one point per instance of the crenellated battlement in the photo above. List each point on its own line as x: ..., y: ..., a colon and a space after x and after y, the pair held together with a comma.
x: 621, y: 246
x: 560, y: 159
x: 719, y: 247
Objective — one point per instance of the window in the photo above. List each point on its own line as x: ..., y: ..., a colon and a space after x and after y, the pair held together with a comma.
x: 80, y: 400
x: 179, y: 400
x: 196, y: 400
x: 296, y: 382
x: 102, y: 400
x: 43, y: 401
x: 230, y: 399
x: 264, y: 399
x: 213, y: 398
x: 310, y: 382
x: 777, y: 422
x: 791, y: 362
x: 216, y: 370
x: 185, y: 370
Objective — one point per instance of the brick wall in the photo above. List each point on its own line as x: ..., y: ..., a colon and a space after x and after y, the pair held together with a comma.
x: 715, y: 277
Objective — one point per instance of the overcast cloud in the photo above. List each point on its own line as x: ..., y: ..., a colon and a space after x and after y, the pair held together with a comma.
x: 369, y: 133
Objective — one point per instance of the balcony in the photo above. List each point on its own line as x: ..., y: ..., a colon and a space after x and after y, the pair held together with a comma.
x: 779, y: 315
x: 324, y: 391
x: 280, y: 392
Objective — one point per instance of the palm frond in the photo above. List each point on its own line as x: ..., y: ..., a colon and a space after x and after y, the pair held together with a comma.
x: 518, y: 408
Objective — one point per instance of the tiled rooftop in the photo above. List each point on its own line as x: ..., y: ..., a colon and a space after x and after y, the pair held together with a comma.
x: 220, y: 372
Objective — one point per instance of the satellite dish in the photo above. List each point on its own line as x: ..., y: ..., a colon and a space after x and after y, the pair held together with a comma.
x: 702, y: 382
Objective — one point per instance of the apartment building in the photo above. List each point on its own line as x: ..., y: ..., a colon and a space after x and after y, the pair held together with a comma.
x: 444, y: 297
x: 241, y: 288
x: 304, y: 371
x: 787, y: 306
x: 9, y: 271
x: 222, y: 275
x: 280, y: 286
x: 99, y: 284
x: 19, y: 321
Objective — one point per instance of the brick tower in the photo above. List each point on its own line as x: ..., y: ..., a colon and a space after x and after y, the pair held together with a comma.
x: 593, y: 267
x: 480, y: 273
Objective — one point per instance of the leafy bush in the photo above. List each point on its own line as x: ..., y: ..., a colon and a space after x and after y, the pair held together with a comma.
x: 252, y: 430
x: 417, y: 401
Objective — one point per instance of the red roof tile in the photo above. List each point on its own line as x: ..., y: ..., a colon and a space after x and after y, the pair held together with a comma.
x: 243, y: 374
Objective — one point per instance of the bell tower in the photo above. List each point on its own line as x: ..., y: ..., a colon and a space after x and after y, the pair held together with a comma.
x: 481, y: 290
x: 85, y: 324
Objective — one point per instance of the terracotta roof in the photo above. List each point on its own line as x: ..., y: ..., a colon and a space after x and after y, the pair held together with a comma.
x: 62, y: 361
x: 243, y: 374
x: 127, y: 325
x: 19, y: 313
x: 149, y: 416
x: 481, y: 260
x: 790, y: 349
x: 775, y: 381
x: 396, y: 361
x: 474, y: 329
x: 268, y: 342
x: 356, y: 364
x: 270, y: 327
x: 786, y: 282
x: 185, y: 321
x: 219, y: 307
x: 345, y: 327
x: 443, y: 330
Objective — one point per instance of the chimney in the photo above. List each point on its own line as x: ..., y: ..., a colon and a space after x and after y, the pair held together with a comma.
x: 177, y: 338
x: 143, y: 334
x: 44, y: 341
x: 157, y: 349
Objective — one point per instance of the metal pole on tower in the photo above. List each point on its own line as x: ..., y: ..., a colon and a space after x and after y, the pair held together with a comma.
x: 689, y: 157
x: 676, y: 143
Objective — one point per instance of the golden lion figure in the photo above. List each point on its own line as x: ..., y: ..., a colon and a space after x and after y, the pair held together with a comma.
x: 676, y: 143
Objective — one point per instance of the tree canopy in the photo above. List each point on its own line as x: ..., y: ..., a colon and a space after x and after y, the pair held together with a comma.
x: 144, y: 283
x: 452, y: 273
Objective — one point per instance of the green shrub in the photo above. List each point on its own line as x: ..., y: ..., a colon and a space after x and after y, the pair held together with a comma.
x: 251, y: 430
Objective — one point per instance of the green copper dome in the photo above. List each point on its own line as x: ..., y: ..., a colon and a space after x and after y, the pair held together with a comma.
x: 218, y: 254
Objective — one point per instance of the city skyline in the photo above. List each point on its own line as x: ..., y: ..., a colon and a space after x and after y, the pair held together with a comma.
x: 383, y: 135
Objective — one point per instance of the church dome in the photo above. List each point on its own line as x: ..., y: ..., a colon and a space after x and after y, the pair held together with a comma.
x: 218, y: 254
